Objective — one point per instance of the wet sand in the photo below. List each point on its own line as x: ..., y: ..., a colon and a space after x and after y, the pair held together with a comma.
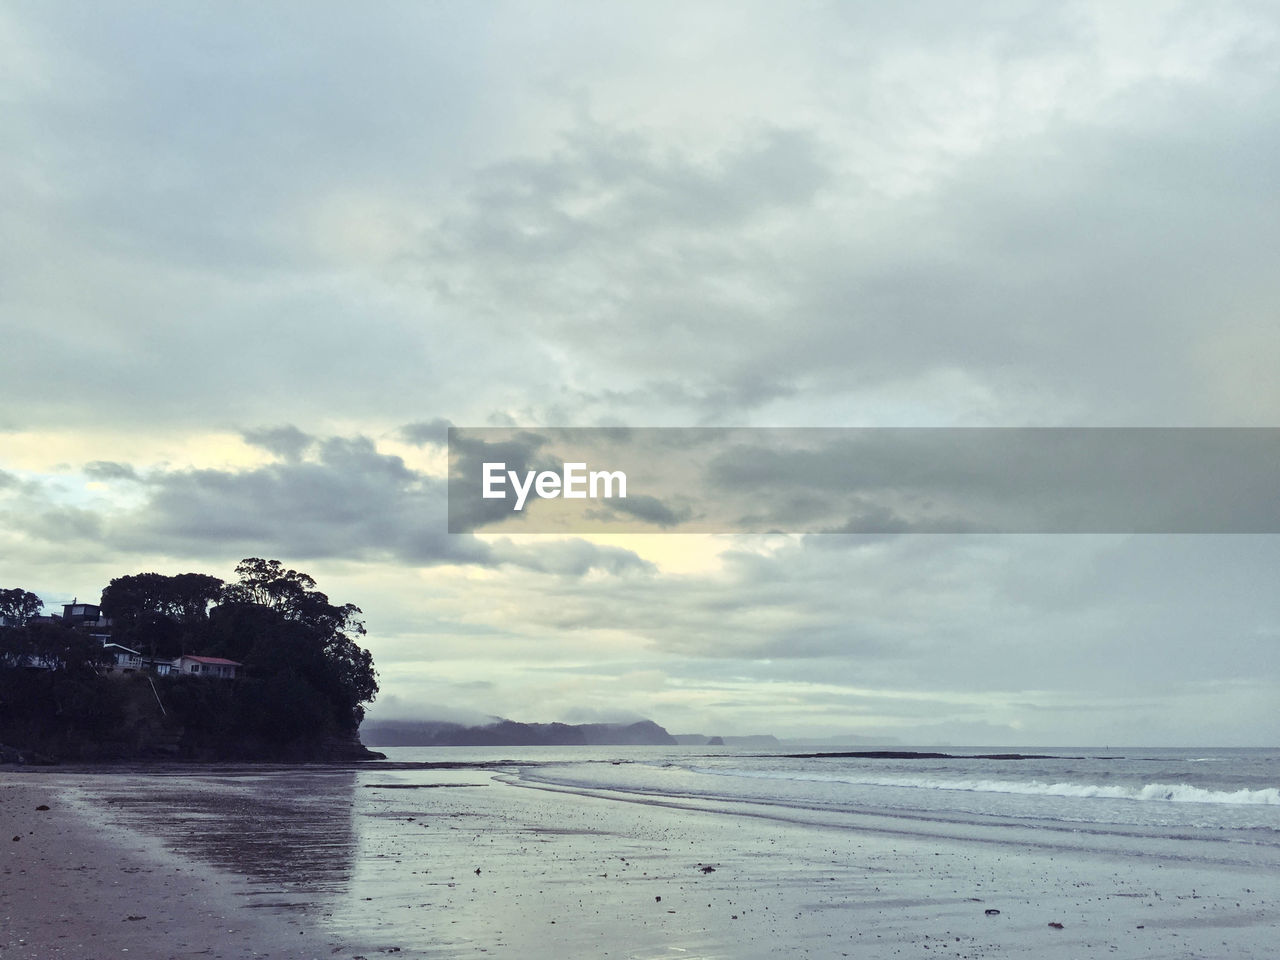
x: 298, y: 862
x: 74, y: 886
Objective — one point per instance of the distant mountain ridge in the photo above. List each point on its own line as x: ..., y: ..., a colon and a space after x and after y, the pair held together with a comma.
x: 509, y: 733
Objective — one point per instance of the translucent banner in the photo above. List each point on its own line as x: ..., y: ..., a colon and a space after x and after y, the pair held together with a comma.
x: 864, y: 481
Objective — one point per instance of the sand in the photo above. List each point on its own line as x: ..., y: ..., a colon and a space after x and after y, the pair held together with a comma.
x: 73, y: 887
x: 300, y: 862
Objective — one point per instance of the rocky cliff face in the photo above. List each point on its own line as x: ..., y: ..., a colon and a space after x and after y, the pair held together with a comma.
x: 130, y: 722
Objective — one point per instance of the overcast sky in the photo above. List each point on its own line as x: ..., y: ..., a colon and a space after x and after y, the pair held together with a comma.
x: 254, y: 258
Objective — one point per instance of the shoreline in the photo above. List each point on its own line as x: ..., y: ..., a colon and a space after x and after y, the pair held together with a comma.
x: 320, y: 861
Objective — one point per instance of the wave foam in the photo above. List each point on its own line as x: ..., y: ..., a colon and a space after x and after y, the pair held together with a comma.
x: 1160, y: 792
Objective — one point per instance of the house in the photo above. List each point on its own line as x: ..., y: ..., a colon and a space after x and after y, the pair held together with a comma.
x: 160, y: 666
x: 87, y: 617
x: 218, y: 667
x: 121, y: 659
x: 77, y: 613
x: 118, y: 659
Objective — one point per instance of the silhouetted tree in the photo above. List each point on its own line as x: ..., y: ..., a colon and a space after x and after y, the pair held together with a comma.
x: 19, y: 606
x: 275, y: 620
x: 49, y: 646
x: 160, y: 615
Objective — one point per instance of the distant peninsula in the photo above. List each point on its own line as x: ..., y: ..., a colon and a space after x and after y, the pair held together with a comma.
x: 509, y: 733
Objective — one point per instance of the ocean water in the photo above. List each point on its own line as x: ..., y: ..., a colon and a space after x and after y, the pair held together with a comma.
x: 1214, y: 804
x: 439, y: 853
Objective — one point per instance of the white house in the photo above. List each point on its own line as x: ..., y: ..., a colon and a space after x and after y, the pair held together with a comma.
x: 208, y: 666
x: 160, y: 666
x: 121, y: 659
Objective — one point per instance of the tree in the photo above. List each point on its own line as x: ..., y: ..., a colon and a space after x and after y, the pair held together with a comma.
x: 49, y: 645
x: 184, y: 598
x: 18, y: 606
x: 275, y: 619
x: 268, y: 584
x: 158, y: 614
x: 190, y: 595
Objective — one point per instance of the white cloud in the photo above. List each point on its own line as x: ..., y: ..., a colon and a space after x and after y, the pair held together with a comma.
x: 243, y: 217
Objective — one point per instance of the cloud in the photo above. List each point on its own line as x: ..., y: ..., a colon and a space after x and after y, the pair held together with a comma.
x: 654, y: 250
x: 1062, y: 222
x: 336, y: 498
x: 287, y: 442
x: 61, y: 524
x: 650, y: 510
x: 870, y: 214
x: 569, y: 558
x: 110, y: 470
x: 426, y: 432
x: 607, y: 184
x: 519, y: 454
x: 348, y: 501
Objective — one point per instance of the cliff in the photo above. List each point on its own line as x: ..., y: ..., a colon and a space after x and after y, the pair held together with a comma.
x: 136, y: 718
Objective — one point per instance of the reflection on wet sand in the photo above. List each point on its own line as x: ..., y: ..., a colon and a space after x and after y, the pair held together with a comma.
x: 440, y: 862
x: 289, y: 830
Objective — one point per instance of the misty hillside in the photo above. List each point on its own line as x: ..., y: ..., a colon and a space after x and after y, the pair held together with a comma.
x: 509, y: 733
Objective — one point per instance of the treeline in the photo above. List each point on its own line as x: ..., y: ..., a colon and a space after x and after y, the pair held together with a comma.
x: 303, y: 681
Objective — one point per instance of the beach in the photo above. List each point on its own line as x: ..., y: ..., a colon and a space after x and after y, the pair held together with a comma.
x: 75, y: 887
x: 546, y: 859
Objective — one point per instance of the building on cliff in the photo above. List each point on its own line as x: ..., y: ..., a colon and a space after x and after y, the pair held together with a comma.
x: 218, y: 667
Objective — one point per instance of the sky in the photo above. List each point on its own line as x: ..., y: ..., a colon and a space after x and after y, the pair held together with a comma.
x: 256, y: 258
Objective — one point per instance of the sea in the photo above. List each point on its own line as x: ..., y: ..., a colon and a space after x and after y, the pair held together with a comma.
x: 725, y: 852
x: 1211, y: 805
x: 1216, y: 804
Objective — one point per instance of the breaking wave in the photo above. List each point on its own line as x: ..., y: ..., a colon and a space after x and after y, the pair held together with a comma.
x: 1161, y: 792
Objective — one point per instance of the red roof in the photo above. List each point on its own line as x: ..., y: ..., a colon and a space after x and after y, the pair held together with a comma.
x: 216, y: 660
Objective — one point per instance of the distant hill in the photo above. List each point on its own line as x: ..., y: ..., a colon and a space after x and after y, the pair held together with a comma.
x: 509, y: 733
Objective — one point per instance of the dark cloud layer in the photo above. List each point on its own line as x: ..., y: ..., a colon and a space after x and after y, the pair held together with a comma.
x: 110, y: 470
x: 347, y: 501
x: 287, y: 442
x: 350, y: 501
x: 426, y: 432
